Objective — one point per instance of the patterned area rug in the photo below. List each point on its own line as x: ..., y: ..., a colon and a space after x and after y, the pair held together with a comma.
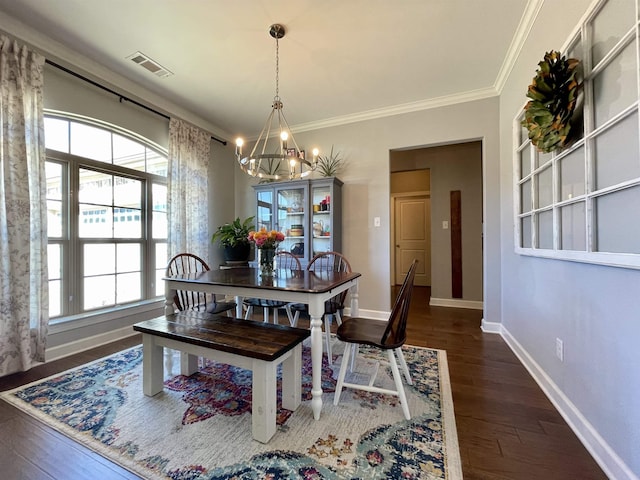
x: 199, y: 427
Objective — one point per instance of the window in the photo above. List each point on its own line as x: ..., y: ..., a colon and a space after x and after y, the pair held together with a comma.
x: 583, y: 203
x: 107, y: 207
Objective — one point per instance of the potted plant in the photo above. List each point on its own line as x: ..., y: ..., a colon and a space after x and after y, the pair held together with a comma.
x: 234, y: 238
x: 330, y: 165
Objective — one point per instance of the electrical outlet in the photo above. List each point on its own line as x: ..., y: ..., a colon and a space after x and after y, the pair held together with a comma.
x: 376, y: 221
x: 445, y: 224
x: 559, y: 349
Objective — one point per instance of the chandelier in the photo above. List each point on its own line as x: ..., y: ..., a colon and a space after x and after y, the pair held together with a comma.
x: 282, y: 159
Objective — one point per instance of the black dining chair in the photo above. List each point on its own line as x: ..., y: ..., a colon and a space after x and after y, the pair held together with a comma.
x: 389, y: 336
x: 284, y: 261
x: 184, y: 263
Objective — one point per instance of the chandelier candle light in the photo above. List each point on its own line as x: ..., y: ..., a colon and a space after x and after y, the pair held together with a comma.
x: 263, y: 163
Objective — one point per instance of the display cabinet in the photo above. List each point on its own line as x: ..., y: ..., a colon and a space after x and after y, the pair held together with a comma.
x: 308, y: 212
x: 326, y: 215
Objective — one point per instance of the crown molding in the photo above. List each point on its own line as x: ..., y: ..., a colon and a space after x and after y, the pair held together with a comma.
x: 400, y: 109
x: 522, y: 32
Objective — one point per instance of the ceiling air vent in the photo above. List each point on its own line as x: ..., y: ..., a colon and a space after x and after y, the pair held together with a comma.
x: 151, y: 65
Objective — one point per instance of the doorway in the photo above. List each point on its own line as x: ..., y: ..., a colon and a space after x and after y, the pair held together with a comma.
x: 422, y: 180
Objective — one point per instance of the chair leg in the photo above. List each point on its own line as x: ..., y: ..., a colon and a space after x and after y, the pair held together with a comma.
x: 265, y: 315
x: 248, y: 312
x: 327, y: 334
x: 343, y: 371
x: 399, y: 386
x: 353, y: 356
x: 403, y: 364
x: 275, y: 316
x: 293, y: 320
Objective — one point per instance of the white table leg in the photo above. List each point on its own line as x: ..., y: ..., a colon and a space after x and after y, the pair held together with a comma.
x: 355, y: 308
x: 316, y: 309
x: 292, y: 379
x: 263, y: 399
x: 152, y: 372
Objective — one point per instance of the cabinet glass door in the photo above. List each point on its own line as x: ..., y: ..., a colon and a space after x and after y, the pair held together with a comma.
x: 292, y: 219
x: 264, y: 217
x: 321, y: 219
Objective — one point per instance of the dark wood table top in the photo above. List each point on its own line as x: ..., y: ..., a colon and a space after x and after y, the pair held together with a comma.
x: 248, y: 338
x: 291, y: 280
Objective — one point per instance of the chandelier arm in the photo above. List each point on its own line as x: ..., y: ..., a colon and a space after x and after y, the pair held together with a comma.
x: 268, y: 132
x: 264, y: 128
x: 291, y: 137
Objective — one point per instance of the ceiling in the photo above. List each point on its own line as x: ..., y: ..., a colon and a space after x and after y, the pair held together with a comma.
x: 340, y: 61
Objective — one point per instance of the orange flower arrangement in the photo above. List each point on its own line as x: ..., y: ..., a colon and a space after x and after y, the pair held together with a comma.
x: 264, y: 238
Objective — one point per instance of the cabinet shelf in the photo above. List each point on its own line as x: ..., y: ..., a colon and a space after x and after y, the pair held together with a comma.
x: 274, y: 205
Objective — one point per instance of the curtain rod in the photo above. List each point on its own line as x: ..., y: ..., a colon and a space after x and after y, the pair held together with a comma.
x: 120, y: 96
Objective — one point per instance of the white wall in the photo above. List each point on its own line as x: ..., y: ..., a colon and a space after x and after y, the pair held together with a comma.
x: 366, y: 146
x: 593, y: 309
x: 452, y: 167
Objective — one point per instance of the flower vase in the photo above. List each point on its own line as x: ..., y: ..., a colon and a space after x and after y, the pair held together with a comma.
x: 267, y: 261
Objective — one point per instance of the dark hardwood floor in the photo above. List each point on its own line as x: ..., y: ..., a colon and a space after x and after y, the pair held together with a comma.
x: 507, y: 428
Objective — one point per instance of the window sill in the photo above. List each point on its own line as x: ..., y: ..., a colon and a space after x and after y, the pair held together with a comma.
x: 64, y: 324
x: 620, y: 260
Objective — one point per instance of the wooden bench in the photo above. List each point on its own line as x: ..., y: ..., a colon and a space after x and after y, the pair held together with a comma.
x: 256, y: 346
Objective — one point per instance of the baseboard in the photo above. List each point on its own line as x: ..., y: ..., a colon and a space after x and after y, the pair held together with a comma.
x: 491, y: 327
x: 455, y: 303
x: 612, y: 465
x: 71, y: 348
x: 373, y: 314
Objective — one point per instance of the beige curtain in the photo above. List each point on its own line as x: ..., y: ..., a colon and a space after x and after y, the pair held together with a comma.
x: 189, y: 148
x: 24, y: 294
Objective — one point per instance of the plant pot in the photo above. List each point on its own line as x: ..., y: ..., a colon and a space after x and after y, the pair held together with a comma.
x: 238, y: 253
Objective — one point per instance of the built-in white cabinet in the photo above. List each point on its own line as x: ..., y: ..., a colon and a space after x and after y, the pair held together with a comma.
x: 308, y: 212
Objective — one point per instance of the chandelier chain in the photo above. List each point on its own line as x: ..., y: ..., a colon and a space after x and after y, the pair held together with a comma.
x: 277, y: 69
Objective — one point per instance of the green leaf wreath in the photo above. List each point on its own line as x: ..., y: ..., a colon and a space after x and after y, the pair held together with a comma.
x: 553, y: 94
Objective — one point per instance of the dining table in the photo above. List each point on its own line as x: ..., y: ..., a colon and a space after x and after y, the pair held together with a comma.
x: 312, y: 288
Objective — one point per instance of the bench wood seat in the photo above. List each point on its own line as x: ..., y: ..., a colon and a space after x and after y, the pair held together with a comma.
x: 256, y: 346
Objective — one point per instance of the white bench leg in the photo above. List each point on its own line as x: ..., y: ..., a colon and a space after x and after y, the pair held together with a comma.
x: 292, y: 379
x: 263, y: 412
x: 152, y: 371
x: 188, y: 364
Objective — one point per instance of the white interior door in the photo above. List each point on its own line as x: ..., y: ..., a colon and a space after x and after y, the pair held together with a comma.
x: 413, y: 238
